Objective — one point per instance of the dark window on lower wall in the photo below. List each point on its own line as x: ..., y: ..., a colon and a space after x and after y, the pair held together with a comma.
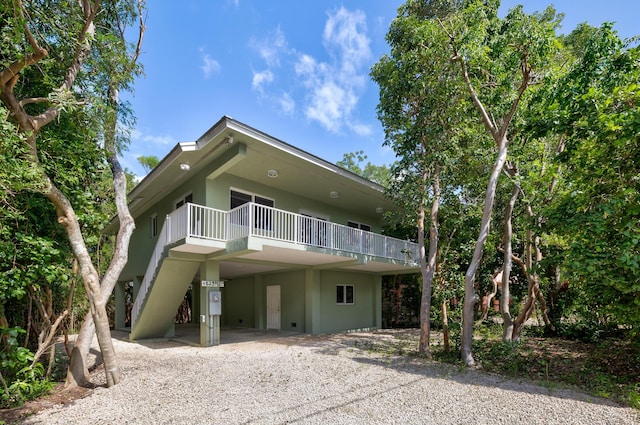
x: 344, y: 294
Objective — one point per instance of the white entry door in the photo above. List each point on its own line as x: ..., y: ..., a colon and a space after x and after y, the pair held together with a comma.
x: 273, y: 307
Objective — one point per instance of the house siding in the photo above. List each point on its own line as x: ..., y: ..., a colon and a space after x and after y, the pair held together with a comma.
x: 359, y: 315
x: 238, y: 303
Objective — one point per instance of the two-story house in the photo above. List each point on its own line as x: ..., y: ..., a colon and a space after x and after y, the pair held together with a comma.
x: 263, y: 234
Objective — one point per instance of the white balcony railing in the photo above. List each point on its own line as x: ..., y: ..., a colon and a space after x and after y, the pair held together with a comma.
x: 252, y: 219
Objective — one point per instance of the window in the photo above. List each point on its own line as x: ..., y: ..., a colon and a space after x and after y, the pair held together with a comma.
x: 360, y: 241
x: 184, y: 200
x: 240, y: 198
x: 360, y: 226
x: 263, y: 217
x: 344, y: 294
x: 153, y: 225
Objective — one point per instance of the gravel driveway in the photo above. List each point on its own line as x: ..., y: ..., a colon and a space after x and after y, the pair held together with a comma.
x: 316, y: 380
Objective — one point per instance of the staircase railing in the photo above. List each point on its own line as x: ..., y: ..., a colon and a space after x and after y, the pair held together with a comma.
x: 156, y: 256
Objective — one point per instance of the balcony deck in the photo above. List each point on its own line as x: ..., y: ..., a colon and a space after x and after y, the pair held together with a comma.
x: 209, y: 227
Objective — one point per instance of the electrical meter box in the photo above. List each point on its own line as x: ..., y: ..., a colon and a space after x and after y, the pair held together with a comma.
x: 215, y: 303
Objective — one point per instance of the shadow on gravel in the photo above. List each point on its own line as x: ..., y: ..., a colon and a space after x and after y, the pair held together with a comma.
x: 379, y: 348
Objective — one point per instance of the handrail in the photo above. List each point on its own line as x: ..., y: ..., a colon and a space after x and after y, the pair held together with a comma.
x: 162, y: 241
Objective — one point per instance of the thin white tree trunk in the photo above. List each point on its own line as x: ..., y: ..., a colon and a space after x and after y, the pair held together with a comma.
x: 470, y: 297
x: 507, y: 320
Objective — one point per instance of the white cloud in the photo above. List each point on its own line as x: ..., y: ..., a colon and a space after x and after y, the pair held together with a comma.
x: 360, y: 129
x: 261, y: 78
x: 334, y: 87
x: 209, y: 65
x: 345, y: 35
x: 329, y: 104
x: 271, y: 48
x: 163, y: 140
x: 287, y: 104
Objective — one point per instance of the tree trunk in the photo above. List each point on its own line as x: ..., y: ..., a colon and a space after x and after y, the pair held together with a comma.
x: 445, y: 326
x: 118, y: 261
x: 77, y: 373
x: 470, y: 297
x: 496, y: 280
x: 507, y: 321
x: 428, y: 265
x: 68, y: 219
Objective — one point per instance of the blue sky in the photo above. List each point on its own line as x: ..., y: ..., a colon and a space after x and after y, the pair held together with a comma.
x: 297, y: 70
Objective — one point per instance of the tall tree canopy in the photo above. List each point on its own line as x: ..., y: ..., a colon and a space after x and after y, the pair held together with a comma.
x: 61, y: 67
x: 455, y: 83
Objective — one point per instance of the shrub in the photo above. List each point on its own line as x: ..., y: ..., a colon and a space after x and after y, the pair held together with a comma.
x: 22, y: 381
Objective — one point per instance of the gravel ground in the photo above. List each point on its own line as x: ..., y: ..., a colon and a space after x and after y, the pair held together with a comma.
x: 316, y: 380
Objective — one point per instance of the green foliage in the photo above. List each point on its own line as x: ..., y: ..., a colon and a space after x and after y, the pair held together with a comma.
x: 24, y: 381
x: 595, y: 108
x: 148, y: 162
x: 352, y: 161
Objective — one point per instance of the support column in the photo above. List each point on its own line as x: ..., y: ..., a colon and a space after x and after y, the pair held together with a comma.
x: 209, y: 323
x: 312, y: 301
x: 120, y: 304
x: 377, y: 301
x: 260, y: 303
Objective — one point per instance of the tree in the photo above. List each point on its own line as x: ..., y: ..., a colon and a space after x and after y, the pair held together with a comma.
x: 495, y: 63
x: 60, y: 79
x: 411, y: 102
x: 376, y: 173
x: 595, y: 109
x: 498, y: 60
x: 148, y: 162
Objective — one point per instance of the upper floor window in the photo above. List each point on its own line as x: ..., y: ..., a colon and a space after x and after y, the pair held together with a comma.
x: 360, y: 226
x: 153, y: 224
x: 262, y: 217
x: 240, y: 198
x: 184, y: 200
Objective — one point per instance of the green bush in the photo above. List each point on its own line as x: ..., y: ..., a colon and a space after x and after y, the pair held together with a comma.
x: 22, y: 381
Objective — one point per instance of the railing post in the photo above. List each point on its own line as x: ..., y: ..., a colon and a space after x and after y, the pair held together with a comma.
x: 251, y: 217
x: 167, y: 235
x: 188, y: 229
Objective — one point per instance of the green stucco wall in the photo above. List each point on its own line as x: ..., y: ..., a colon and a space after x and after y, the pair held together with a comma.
x: 238, y: 303
x: 362, y: 314
x: 244, y: 301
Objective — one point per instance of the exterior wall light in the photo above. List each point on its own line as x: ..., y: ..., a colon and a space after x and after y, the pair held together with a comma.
x: 334, y: 195
x: 185, y: 167
x: 379, y: 210
x: 272, y: 173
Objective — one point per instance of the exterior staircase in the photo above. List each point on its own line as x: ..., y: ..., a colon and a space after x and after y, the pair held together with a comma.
x: 163, y: 287
x: 172, y: 280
